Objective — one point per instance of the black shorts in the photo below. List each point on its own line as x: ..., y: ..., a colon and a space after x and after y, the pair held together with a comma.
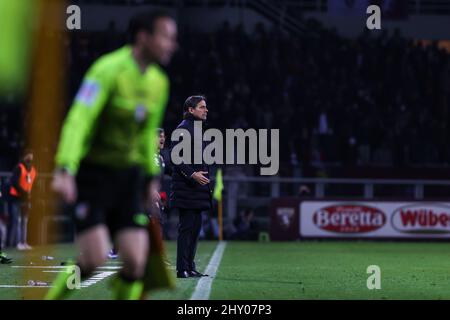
x: 112, y: 197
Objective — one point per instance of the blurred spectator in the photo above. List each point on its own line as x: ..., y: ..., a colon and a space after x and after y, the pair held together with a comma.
x: 210, y: 227
x: 22, y: 180
x: 304, y: 191
x: 3, y: 218
x: 246, y: 227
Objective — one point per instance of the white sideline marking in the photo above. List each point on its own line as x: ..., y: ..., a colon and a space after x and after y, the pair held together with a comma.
x: 97, y: 278
x: 63, y: 267
x: 99, y: 275
x: 203, y: 288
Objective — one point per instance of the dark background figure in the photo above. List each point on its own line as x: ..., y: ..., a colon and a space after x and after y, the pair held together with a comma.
x: 246, y: 226
x: 163, y: 160
x: 22, y: 180
x: 3, y: 226
x: 304, y: 191
x: 210, y: 227
x: 191, y: 192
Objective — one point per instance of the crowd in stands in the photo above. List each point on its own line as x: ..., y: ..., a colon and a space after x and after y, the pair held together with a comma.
x: 379, y: 99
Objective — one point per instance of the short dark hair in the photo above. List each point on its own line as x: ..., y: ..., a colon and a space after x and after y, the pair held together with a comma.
x: 160, y: 130
x: 144, y: 21
x: 192, y: 102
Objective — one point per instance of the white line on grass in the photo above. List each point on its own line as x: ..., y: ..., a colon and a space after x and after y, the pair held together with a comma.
x: 203, y: 288
x: 64, y: 267
x: 97, y: 277
x: 87, y: 283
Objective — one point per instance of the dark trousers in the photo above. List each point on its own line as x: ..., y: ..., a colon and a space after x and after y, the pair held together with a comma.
x: 18, y: 224
x: 189, y: 226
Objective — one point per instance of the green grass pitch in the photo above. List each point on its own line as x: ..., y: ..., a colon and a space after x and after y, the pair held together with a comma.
x: 277, y: 270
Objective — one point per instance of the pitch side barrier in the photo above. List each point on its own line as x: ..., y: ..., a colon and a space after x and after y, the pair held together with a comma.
x: 413, y: 215
x: 321, y: 214
x: 293, y: 219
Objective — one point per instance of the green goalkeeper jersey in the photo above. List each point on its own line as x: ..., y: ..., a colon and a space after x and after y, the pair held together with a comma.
x: 115, y: 115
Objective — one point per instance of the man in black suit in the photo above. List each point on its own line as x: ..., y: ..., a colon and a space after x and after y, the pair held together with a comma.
x: 191, y: 192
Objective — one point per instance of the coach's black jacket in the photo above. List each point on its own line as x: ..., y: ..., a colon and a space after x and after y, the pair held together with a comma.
x: 186, y: 193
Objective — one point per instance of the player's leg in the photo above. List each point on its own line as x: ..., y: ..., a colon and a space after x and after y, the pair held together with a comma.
x: 128, y: 224
x: 93, y: 244
x: 93, y: 240
x: 133, y: 245
x: 24, y: 227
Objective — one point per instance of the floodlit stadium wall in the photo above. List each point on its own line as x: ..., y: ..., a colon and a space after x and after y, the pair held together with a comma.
x: 293, y: 219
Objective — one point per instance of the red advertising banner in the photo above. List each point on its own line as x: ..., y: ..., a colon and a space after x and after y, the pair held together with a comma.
x: 294, y: 218
x: 374, y: 219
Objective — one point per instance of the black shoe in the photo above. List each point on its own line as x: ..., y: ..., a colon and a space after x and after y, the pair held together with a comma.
x: 183, y: 274
x: 196, y: 274
x: 4, y: 259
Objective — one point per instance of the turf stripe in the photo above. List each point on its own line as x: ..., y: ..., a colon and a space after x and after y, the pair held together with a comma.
x: 203, y: 288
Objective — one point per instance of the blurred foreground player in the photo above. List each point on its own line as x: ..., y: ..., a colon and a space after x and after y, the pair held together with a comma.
x: 157, y: 214
x: 105, y: 155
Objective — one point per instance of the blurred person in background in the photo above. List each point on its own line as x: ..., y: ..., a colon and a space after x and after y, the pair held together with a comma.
x: 22, y: 180
x: 162, y: 159
x: 3, y: 228
x: 246, y: 226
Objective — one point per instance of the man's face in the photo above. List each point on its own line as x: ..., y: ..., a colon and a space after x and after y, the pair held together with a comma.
x: 162, y: 43
x: 200, y: 111
x: 162, y: 140
x: 28, y: 158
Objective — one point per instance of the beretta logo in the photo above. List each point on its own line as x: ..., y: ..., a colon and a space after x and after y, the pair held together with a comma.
x: 422, y: 219
x: 349, y: 218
